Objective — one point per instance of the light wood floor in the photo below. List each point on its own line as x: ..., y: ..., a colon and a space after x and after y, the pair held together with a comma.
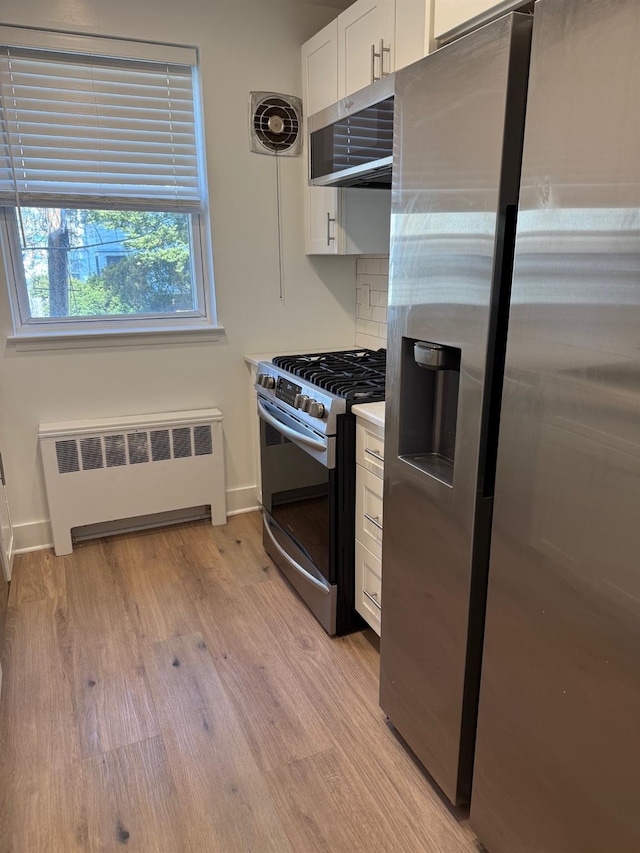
x: 167, y: 691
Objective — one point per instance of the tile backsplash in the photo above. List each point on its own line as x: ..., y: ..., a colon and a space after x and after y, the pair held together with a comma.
x: 372, y: 285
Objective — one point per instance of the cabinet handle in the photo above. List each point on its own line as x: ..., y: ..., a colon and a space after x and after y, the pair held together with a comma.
x: 330, y: 219
x: 372, y: 596
x: 374, y: 56
x: 375, y: 521
x: 375, y: 453
x: 2, y: 479
x: 384, y: 50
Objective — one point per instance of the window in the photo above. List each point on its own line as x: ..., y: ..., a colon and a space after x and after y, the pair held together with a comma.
x: 103, y: 207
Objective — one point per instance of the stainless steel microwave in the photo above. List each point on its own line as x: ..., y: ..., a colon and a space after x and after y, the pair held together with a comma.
x: 351, y: 142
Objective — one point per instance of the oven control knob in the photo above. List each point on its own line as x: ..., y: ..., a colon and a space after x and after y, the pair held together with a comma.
x: 300, y: 400
x: 265, y: 380
x: 316, y: 409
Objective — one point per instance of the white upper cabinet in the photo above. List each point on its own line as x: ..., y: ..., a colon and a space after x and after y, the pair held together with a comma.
x: 320, y: 69
x: 336, y: 221
x: 414, y: 32
x: 366, y: 44
x: 450, y: 14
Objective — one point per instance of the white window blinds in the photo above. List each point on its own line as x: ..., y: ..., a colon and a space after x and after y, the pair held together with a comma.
x: 96, y: 131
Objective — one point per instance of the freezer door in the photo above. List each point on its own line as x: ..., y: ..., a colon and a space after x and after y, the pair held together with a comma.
x: 458, y: 144
x: 558, y: 744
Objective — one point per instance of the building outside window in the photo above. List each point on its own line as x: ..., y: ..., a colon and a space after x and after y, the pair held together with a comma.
x: 103, y: 201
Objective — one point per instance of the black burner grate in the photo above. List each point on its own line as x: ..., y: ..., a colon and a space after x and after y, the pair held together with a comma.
x: 356, y: 375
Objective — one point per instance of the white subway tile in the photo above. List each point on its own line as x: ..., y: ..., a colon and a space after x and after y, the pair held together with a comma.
x: 379, y: 315
x: 369, y: 266
x: 369, y: 327
x: 369, y: 341
x: 364, y: 312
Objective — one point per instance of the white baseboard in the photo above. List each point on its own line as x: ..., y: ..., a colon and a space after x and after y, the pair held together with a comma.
x: 32, y: 536
x: 37, y: 536
x: 241, y: 500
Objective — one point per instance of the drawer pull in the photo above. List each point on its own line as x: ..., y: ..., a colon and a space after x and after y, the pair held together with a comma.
x: 373, y: 598
x: 375, y: 453
x: 373, y: 520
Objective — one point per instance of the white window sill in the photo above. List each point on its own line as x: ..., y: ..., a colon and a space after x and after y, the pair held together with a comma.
x: 99, y: 338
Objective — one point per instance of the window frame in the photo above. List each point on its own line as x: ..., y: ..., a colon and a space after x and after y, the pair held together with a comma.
x: 203, y: 317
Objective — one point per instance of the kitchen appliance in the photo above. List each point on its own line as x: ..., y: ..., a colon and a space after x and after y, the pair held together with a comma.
x: 275, y: 124
x: 307, y: 449
x: 458, y: 130
x: 558, y: 748
x: 351, y: 142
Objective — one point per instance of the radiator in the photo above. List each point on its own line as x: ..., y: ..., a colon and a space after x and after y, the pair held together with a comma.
x: 122, y: 468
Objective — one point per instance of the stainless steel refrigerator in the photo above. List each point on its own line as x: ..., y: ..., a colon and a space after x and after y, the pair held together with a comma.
x: 459, y: 120
x: 558, y: 745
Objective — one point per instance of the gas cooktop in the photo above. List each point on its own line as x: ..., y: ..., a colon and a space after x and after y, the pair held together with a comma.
x: 356, y: 375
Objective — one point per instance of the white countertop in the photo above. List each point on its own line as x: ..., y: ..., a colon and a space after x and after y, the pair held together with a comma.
x: 372, y: 412
x: 256, y: 358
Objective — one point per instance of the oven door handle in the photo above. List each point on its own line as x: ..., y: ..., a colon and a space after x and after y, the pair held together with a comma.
x: 291, y: 433
x: 324, y: 588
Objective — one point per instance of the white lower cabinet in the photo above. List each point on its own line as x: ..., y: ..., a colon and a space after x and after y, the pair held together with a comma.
x: 368, y: 586
x: 368, y: 539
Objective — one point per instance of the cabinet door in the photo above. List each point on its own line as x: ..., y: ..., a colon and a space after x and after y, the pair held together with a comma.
x: 364, y: 221
x: 363, y: 29
x: 321, y: 209
x: 319, y: 90
x: 414, y: 31
x: 320, y: 70
x: 6, y: 534
x: 449, y: 14
x: 368, y: 586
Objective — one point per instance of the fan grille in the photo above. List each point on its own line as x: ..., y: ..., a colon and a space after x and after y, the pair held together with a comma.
x: 275, y: 123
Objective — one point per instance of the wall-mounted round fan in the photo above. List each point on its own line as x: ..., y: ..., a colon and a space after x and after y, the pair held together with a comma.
x: 275, y: 124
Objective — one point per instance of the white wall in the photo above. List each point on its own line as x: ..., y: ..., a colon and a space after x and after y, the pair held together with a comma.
x: 244, y: 45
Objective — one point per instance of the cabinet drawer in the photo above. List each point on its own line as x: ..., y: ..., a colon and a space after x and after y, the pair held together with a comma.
x: 369, y: 510
x: 370, y: 447
x: 368, y: 587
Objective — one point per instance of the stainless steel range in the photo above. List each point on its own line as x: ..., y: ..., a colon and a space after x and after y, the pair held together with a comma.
x: 307, y: 448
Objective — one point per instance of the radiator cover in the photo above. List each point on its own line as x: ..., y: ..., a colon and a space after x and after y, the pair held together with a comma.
x: 121, y: 468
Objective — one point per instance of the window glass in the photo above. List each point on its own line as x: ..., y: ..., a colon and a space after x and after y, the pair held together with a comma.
x: 103, y: 203
x: 87, y: 263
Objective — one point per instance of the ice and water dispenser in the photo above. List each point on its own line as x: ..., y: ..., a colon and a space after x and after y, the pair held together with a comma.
x: 430, y: 378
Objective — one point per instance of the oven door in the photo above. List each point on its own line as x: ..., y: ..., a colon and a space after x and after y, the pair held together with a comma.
x: 296, y: 496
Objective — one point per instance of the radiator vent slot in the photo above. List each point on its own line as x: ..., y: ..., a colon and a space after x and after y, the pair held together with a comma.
x: 116, y: 475
x: 202, y: 440
x: 67, y: 454
x: 91, y: 450
x: 138, y: 449
x: 115, y: 450
x: 160, y: 445
x: 181, y: 442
